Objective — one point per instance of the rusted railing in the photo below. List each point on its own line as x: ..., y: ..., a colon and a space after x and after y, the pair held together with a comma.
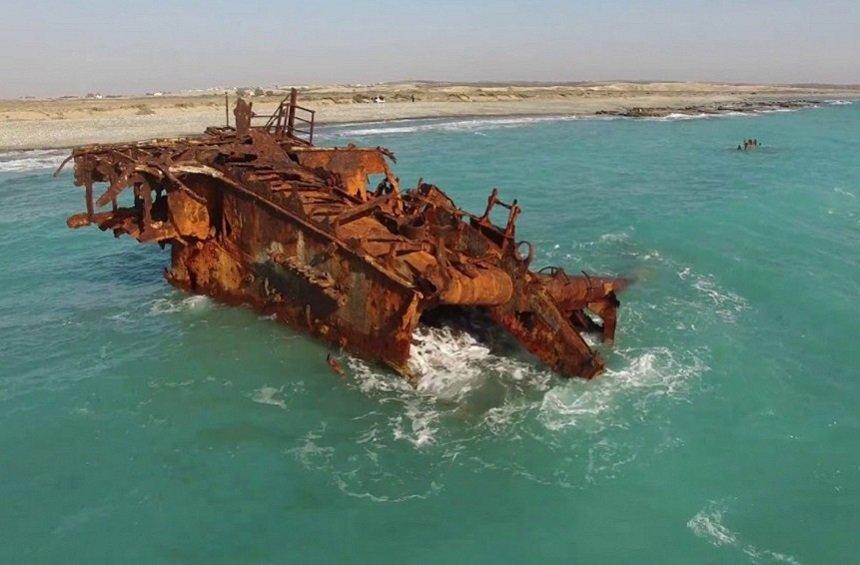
x: 291, y: 119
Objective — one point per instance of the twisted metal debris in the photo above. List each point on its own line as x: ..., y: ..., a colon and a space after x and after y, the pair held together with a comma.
x: 256, y: 214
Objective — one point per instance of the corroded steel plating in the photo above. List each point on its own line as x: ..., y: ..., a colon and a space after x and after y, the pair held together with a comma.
x: 257, y: 215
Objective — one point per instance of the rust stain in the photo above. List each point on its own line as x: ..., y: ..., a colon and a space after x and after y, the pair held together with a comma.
x: 258, y: 215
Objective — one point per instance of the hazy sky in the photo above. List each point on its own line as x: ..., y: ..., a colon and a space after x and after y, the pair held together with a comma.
x: 50, y: 47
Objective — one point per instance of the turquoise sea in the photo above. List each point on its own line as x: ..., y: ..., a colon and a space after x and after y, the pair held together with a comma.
x: 139, y: 424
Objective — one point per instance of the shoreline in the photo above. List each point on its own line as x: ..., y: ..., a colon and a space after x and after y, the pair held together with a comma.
x: 61, y: 124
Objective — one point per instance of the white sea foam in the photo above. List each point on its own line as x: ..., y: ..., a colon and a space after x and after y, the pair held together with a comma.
x: 648, y: 374
x: 840, y: 102
x: 500, y: 418
x: 680, y: 116
x: 372, y: 379
x: 346, y: 489
x: 195, y: 302
x: 708, y: 524
x: 269, y: 395
x: 416, y: 422
x: 466, y: 125
x: 310, y: 454
x: 20, y: 161
x: 616, y: 237
x: 417, y: 425
x: 360, y: 472
x: 727, y: 304
x: 676, y: 116
x: 450, y: 365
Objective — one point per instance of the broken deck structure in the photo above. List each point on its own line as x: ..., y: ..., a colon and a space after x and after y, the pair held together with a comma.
x: 256, y: 214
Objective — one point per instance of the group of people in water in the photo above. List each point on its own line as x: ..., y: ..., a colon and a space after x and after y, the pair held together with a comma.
x: 748, y: 144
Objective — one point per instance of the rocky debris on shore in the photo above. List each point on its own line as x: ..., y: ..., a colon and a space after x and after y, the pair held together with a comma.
x: 710, y: 109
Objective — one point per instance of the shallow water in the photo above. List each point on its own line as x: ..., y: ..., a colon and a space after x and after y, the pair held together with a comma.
x: 141, y: 424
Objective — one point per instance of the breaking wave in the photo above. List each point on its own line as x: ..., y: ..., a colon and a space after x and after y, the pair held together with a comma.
x: 477, y: 125
x: 39, y: 159
x: 445, y: 125
x: 469, y: 397
x: 647, y: 374
x: 453, y: 371
x: 681, y: 116
x: 451, y: 363
x: 675, y: 116
x: 458, y: 373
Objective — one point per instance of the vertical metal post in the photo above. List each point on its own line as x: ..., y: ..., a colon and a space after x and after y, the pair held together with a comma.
x: 112, y: 179
x: 89, y: 192
x: 146, y: 193
x: 292, y: 116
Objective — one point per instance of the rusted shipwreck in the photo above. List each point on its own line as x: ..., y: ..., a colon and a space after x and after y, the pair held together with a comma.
x: 256, y: 214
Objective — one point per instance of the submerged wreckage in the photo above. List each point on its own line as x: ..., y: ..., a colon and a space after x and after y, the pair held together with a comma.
x: 256, y: 214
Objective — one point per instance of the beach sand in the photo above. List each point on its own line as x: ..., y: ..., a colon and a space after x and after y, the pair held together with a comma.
x: 58, y: 123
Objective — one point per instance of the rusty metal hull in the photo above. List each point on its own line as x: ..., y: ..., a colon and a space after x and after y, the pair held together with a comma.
x: 257, y: 215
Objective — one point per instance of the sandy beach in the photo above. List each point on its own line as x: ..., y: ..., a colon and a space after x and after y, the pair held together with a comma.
x: 58, y: 123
